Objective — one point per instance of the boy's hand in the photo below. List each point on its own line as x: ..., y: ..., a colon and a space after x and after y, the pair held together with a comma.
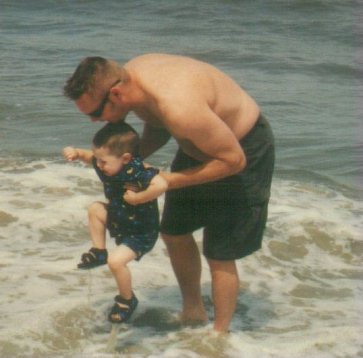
x: 70, y: 153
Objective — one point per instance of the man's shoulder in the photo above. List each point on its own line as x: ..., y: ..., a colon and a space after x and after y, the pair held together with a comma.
x: 147, y: 58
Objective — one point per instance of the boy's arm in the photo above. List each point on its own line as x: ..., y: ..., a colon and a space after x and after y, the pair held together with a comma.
x: 71, y: 154
x: 157, y: 186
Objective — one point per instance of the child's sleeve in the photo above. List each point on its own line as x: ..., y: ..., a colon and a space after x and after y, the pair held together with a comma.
x: 144, y: 177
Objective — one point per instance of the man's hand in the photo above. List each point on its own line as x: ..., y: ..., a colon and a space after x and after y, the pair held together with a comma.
x: 132, y: 187
x: 135, y: 196
x: 131, y: 197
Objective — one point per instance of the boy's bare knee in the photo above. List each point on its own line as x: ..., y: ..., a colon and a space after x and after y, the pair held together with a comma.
x: 120, y: 257
x: 97, y: 209
x: 94, y: 207
x: 112, y: 262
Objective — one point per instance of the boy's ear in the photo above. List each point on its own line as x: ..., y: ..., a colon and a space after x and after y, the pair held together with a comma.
x: 126, y: 157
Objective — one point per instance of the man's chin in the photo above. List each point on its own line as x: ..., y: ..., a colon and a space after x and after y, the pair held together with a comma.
x: 116, y: 120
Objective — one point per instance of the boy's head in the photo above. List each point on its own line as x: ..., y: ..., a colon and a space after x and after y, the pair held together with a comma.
x: 114, y: 145
x: 118, y: 138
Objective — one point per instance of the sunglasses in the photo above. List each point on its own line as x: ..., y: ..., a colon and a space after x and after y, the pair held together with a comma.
x: 97, y: 113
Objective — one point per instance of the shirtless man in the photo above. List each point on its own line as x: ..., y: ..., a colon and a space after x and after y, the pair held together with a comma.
x: 221, y: 176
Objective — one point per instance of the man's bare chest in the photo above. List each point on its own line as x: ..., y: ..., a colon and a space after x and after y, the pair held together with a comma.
x: 149, y: 117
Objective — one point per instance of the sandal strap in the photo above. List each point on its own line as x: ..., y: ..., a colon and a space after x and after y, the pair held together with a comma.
x: 124, y: 301
x: 122, y: 309
x: 94, y: 254
x: 93, y: 258
x: 97, y: 252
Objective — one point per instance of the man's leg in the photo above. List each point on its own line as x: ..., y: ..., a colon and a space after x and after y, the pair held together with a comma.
x: 186, y: 262
x: 225, y: 287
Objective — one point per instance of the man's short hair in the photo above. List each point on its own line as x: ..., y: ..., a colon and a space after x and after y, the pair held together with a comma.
x: 84, y: 77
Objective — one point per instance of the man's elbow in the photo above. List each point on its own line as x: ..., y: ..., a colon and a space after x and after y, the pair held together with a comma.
x: 237, y: 163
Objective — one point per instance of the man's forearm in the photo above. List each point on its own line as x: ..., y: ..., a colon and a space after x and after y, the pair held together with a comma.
x: 210, y: 171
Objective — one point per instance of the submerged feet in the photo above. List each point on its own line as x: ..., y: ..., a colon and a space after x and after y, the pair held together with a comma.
x: 93, y: 258
x: 122, y: 309
x: 193, y: 317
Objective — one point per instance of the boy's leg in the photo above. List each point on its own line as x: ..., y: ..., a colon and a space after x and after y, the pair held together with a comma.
x: 125, y: 302
x: 117, y: 262
x: 97, y: 255
x: 186, y: 262
x: 97, y: 217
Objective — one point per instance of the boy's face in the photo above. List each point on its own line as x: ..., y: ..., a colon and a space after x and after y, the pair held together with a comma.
x: 109, y: 163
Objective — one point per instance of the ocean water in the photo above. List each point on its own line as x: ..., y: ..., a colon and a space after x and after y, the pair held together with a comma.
x: 301, y: 294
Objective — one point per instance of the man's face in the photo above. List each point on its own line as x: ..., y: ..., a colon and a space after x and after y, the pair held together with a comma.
x: 106, y: 108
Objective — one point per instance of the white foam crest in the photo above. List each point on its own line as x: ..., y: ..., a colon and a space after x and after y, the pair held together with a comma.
x: 319, y: 343
x: 303, y: 203
x: 318, y: 223
x: 306, y: 276
x: 47, y: 194
x: 301, y: 287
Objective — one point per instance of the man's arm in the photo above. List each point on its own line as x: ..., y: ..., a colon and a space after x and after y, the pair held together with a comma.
x: 152, y: 139
x: 157, y: 186
x: 211, y: 136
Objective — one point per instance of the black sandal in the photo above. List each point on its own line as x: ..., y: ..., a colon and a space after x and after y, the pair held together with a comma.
x: 93, y: 258
x: 122, y: 309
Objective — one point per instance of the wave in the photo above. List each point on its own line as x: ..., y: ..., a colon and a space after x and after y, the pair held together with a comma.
x: 308, y: 271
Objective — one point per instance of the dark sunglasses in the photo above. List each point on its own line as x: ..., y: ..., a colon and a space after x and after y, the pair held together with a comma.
x: 97, y: 113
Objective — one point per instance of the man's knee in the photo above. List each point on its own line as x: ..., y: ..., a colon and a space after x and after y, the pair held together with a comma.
x: 176, y: 239
x: 224, y: 266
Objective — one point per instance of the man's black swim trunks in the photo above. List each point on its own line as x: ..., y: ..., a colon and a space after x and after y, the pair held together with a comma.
x: 233, y: 210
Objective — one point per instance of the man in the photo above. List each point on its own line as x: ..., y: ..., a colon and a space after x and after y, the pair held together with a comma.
x: 221, y: 175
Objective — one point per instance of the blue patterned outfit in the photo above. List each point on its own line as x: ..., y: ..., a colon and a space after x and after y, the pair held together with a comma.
x: 136, y: 226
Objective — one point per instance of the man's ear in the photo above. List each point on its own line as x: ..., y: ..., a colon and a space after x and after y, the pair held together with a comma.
x: 126, y: 157
x: 115, y: 91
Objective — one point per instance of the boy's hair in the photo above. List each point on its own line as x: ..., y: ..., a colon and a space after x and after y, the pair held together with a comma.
x: 84, y: 77
x: 118, y: 138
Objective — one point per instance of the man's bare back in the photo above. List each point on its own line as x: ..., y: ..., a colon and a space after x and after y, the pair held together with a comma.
x: 187, y: 87
x: 197, y: 104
